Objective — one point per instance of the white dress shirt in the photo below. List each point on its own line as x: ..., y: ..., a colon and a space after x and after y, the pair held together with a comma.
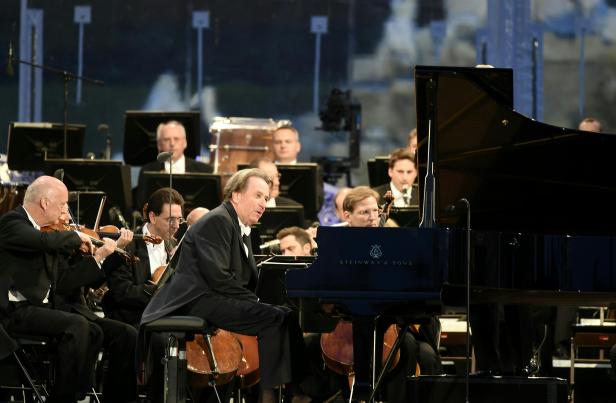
x: 179, y: 166
x: 401, y: 199
x: 245, y: 230
x: 157, y: 255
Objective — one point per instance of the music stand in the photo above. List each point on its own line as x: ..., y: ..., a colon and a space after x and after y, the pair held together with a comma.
x: 378, y: 168
x: 274, y: 219
x: 405, y: 216
x: 300, y: 182
x: 197, y: 189
x: 84, y: 205
x: 140, y: 134
x: 31, y: 144
x: 111, y: 177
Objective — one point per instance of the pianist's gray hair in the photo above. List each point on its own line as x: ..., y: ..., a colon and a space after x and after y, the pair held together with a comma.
x: 239, y: 181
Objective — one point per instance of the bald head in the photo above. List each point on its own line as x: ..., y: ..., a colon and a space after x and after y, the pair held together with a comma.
x: 46, y: 200
x: 338, y: 200
x: 43, y: 186
x: 195, y: 215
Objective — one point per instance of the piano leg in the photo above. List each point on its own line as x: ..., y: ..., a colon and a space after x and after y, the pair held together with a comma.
x: 363, y: 346
x: 367, y: 355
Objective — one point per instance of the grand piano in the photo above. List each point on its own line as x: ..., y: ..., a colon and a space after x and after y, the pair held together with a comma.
x: 542, y: 208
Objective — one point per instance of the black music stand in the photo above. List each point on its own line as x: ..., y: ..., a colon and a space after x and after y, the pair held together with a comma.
x: 111, y: 177
x: 405, y: 216
x: 197, y: 189
x: 84, y: 205
x: 140, y: 134
x: 273, y: 220
x: 30, y: 145
x: 300, y: 183
x: 378, y: 168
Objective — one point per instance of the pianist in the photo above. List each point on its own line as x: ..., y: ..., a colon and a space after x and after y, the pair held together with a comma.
x: 216, y: 276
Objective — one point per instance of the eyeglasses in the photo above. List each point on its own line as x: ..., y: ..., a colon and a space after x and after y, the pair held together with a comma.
x: 171, y: 220
x: 367, y: 212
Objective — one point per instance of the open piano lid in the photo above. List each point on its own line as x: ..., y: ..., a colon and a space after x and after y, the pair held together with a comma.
x: 517, y: 173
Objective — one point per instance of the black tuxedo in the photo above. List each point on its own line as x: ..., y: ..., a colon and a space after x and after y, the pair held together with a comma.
x: 129, y: 288
x: 31, y: 261
x: 155, y: 166
x: 118, y: 338
x: 381, y: 190
x: 215, y: 280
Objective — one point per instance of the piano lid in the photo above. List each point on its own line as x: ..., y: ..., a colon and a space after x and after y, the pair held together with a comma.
x: 517, y: 173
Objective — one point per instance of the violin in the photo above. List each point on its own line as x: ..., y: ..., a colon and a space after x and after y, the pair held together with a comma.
x: 113, y: 232
x: 91, y: 234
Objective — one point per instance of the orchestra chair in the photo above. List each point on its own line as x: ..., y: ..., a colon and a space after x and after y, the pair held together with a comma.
x: 34, y: 358
x: 177, y: 331
x: 601, y: 337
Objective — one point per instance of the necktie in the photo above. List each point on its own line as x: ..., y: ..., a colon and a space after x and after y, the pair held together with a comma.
x: 407, y: 199
x: 246, y: 240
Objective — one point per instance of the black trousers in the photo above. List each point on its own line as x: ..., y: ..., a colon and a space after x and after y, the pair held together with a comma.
x: 268, y: 322
x: 78, y: 344
x: 119, y: 340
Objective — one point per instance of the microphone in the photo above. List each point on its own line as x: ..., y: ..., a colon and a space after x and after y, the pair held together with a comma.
x: 459, y: 206
x: 405, y: 195
x: 269, y: 244
x: 164, y: 156
x: 9, y: 62
x: 136, y: 216
x: 59, y: 174
x: 104, y: 130
x: 115, y: 212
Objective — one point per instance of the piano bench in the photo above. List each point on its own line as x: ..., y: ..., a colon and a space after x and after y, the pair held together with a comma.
x: 178, y: 330
x: 591, y: 336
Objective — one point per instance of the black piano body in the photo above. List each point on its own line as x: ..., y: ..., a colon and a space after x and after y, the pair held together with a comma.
x: 542, y: 203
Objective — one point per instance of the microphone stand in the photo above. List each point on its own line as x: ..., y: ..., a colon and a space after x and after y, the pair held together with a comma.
x: 66, y: 76
x: 467, y: 206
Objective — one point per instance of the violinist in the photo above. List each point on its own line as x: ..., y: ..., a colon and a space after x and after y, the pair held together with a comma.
x: 131, y: 284
x: 361, y: 209
x: 118, y: 339
x: 31, y: 269
x: 216, y: 275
